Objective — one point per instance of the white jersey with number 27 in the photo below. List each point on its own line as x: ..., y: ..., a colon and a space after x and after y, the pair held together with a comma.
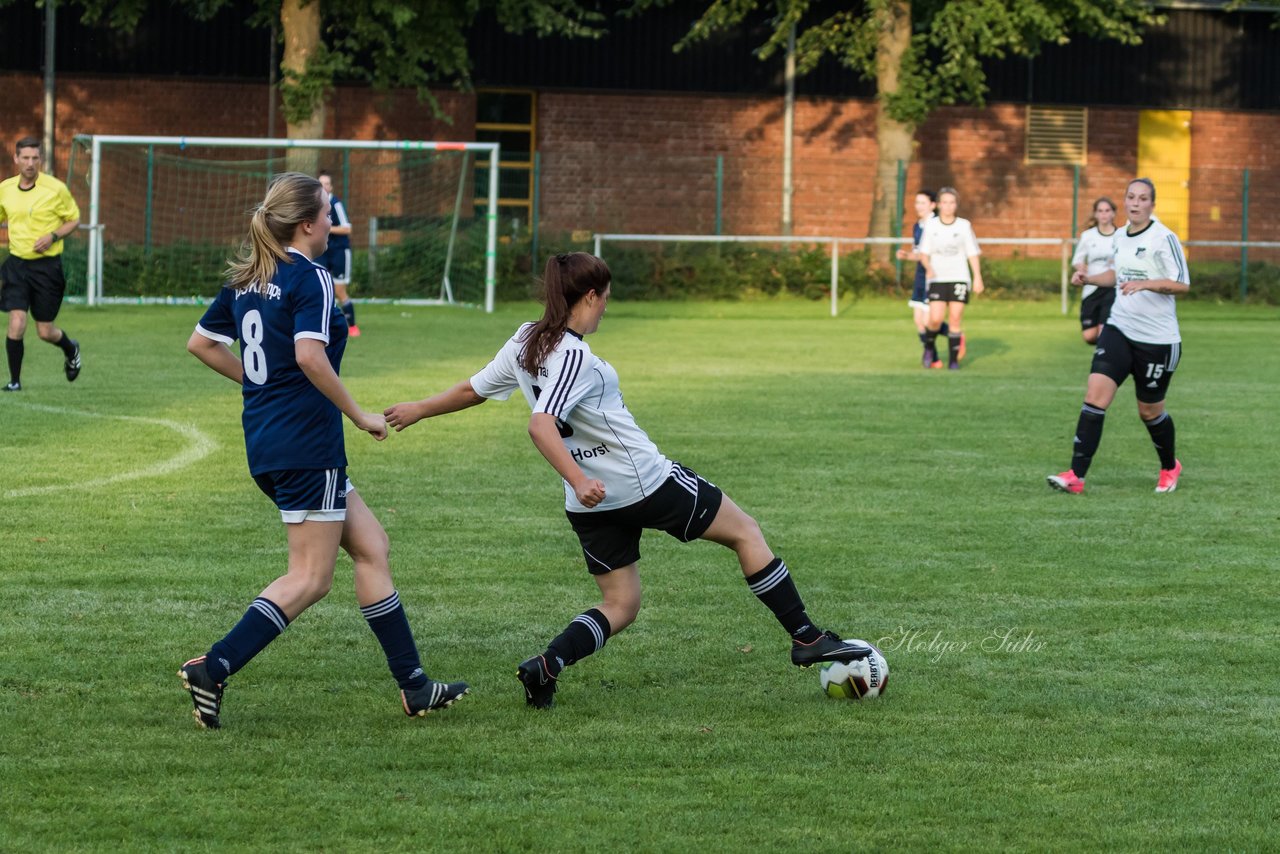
x: 581, y: 391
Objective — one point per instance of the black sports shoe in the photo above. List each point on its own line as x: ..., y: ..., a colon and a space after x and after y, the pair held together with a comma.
x: 72, y: 364
x: 13, y: 386
x: 828, y: 647
x: 539, y: 684
x: 434, y: 695
x: 205, y: 693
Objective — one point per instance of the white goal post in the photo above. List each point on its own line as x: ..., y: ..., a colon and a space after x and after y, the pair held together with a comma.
x: 453, y: 194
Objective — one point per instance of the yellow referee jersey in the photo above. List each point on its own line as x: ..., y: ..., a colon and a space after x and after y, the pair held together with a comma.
x: 35, y: 212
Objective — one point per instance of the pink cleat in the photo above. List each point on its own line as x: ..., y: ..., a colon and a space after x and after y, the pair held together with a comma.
x: 1169, y: 478
x: 1067, y: 482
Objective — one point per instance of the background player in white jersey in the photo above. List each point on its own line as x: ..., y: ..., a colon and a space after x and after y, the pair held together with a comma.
x: 1141, y: 338
x: 948, y: 248
x: 279, y: 304
x: 926, y: 205
x: 337, y: 257
x: 1095, y: 254
x: 616, y: 481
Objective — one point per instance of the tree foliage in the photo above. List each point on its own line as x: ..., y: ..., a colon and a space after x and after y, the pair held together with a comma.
x: 388, y: 43
x: 949, y: 41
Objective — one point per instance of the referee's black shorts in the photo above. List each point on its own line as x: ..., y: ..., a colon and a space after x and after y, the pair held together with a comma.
x: 684, y: 506
x: 35, y: 285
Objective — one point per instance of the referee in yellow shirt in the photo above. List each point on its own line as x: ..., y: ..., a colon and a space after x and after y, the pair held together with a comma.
x: 40, y: 213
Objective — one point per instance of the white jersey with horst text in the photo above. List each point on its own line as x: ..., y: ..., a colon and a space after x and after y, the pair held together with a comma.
x: 581, y: 391
x: 1153, y: 253
x: 1097, y: 251
x: 949, y: 247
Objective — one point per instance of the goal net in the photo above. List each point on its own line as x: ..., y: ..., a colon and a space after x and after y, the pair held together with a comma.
x: 164, y: 214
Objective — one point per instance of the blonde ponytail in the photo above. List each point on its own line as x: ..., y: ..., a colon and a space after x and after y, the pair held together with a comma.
x: 293, y: 198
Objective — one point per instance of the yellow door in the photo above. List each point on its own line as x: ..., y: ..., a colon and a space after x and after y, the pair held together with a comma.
x: 1164, y: 156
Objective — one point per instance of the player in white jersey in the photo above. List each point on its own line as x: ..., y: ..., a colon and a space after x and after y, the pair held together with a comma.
x: 1141, y: 338
x: 926, y: 205
x: 1096, y: 254
x: 617, y: 482
x: 948, y: 248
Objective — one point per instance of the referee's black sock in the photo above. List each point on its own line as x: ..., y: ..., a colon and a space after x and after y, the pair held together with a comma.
x: 13, y: 349
x: 1088, y: 435
x: 67, y: 344
x: 773, y: 586
x: 1161, y: 430
x: 587, y: 633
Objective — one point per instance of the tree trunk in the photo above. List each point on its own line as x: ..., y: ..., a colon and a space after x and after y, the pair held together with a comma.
x: 893, y: 138
x: 300, y: 23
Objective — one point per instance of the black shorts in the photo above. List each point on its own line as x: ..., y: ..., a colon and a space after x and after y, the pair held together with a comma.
x: 338, y: 263
x: 1096, y: 307
x: 684, y: 506
x: 35, y: 285
x: 1150, y: 365
x: 949, y: 291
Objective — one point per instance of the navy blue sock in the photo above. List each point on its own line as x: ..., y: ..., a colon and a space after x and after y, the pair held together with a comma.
x: 773, y: 586
x: 944, y: 329
x: 349, y: 309
x: 391, y: 627
x: 586, y: 634
x: 260, y: 625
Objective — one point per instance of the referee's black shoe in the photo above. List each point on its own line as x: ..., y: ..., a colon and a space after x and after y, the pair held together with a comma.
x: 72, y: 365
x: 828, y: 647
x: 539, y: 684
x: 434, y: 695
x: 205, y: 693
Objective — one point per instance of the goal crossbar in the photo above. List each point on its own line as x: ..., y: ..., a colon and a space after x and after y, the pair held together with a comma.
x: 96, y: 142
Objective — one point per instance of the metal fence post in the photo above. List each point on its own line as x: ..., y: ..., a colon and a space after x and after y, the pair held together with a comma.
x: 719, y: 194
x: 1244, y: 238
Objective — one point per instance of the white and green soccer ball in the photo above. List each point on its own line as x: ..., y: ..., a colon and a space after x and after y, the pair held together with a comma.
x: 855, y: 680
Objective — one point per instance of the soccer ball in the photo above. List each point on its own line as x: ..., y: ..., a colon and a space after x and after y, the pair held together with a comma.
x: 856, y: 680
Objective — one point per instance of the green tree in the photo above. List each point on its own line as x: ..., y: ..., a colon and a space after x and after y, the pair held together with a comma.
x: 389, y: 43
x: 920, y: 54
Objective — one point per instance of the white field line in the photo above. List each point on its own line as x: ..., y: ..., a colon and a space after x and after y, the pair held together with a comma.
x: 200, y: 446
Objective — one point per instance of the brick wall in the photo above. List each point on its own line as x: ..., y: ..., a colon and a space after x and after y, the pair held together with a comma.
x: 646, y: 162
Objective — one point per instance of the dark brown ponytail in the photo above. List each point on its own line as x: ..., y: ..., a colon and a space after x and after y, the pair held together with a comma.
x: 567, y: 278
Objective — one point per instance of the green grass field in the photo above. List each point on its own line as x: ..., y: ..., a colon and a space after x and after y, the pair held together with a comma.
x: 1068, y: 673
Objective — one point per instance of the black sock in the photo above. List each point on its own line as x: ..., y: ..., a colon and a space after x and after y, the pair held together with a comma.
x: 13, y: 349
x: 773, y: 586
x: 931, y: 340
x: 260, y: 625
x: 349, y: 309
x: 391, y: 627
x: 923, y: 338
x: 953, y: 344
x: 586, y: 633
x: 1088, y: 435
x: 1161, y: 430
x: 68, y: 346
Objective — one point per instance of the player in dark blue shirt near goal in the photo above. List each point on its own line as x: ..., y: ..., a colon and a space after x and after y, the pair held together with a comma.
x: 279, y: 304
x: 337, y: 258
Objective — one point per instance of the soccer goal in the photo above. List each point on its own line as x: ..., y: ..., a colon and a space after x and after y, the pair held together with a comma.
x: 163, y: 214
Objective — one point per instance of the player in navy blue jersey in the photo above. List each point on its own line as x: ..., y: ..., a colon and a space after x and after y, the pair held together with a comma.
x: 337, y: 258
x: 926, y: 209
x: 279, y: 304
x: 616, y: 481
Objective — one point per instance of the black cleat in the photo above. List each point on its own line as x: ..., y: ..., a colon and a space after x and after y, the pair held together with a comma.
x: 205, y: 693
x: 539, y: 684
x: 13, y: 386
x: 72, y: 364
x: 828, y: 647
x: 434, y: 695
